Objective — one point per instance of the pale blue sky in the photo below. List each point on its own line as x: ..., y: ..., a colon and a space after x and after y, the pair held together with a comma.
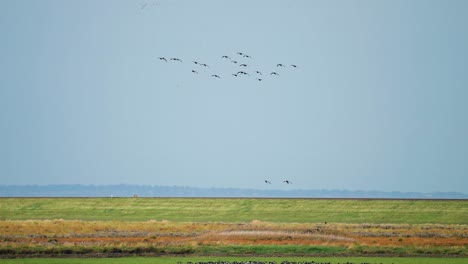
x: 379, y: 101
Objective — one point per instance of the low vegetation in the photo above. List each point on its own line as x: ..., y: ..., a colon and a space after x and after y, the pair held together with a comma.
x: 254, y: 260
x: 226, y: 227
x: 237, y: 210
x: 257, y: 238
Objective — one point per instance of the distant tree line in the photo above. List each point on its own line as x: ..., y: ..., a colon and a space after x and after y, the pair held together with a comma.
x: 124, y: 190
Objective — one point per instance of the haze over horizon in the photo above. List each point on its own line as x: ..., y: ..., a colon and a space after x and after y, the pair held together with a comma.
x: 378, y: 100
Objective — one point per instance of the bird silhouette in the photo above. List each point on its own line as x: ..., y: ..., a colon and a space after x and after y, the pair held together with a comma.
x: 266, y: 181
x: 162, y: 58
x: 243, y: 73
x: 258, y: 79
x: 203, y: 64
x: 240, y: 53
x: 247, y: 56
x: 293, y: 65
x: 176, y: 59
x: 287, y: 182
x: 234, y: 74
x: 233, y: 61
x: 243, y: 65
x: 274, y: 73
x: 225, y: 57
x: 258, y: 72
x: 194, y: 71
x: 216, y: 76
x: 147, y: 5
x: 279, y: 65
x: 196, y: 62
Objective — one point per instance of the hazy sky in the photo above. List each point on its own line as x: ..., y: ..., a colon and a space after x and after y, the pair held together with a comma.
x: 379, y: 100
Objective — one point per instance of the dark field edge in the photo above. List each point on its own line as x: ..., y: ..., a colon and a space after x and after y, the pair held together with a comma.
x: 236, y: 198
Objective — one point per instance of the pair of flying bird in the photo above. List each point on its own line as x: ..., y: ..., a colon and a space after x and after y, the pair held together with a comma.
x: 238, y: 53
x: 282, y: 65
x: 285, y: 181
x: 201, y: 64
x: 172, y: 59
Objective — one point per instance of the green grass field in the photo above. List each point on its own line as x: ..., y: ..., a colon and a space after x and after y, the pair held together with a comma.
x: 129, y: 222
x: 236, y: 210
x: 170, y: 260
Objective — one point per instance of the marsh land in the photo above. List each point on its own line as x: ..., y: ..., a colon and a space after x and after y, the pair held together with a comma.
x: 41, y: 227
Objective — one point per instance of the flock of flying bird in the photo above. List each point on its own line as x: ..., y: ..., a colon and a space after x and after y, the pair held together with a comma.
x: 258, y: 75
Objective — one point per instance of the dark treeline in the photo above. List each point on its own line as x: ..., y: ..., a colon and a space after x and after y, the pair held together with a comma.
x: 182, y: 191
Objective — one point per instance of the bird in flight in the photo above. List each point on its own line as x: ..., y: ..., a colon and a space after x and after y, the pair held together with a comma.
x: 244, y: 73
x: 258, y: 79
x: 279, y: 65
x: 247, y: 56
x: 274, y: 73
x: 287, y: 182
x: 233, y: 61
x: 176, y: 59
x: 240, y: 53
x: 225, y: 57
x: 194, y: 71
x: 234, y: 74
x: 258, y: 72
x: 243, y: 65
x: 266, y: 181
x: 145, y: 5
x: 196, y: 62
x: 293, y: 65
x: 203, y: 64
x: 216, y: 76
x: 162, y: 58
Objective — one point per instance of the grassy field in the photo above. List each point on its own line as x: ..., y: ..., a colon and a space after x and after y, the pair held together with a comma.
x: 170, y: 260
x: 236, y: 210
x: 58, y: 227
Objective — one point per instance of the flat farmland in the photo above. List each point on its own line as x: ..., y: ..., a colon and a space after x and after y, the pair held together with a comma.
x: 237, y: 210
x: 90, y: 227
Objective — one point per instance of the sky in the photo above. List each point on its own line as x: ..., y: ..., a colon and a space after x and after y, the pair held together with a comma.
x: 378, y: 100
